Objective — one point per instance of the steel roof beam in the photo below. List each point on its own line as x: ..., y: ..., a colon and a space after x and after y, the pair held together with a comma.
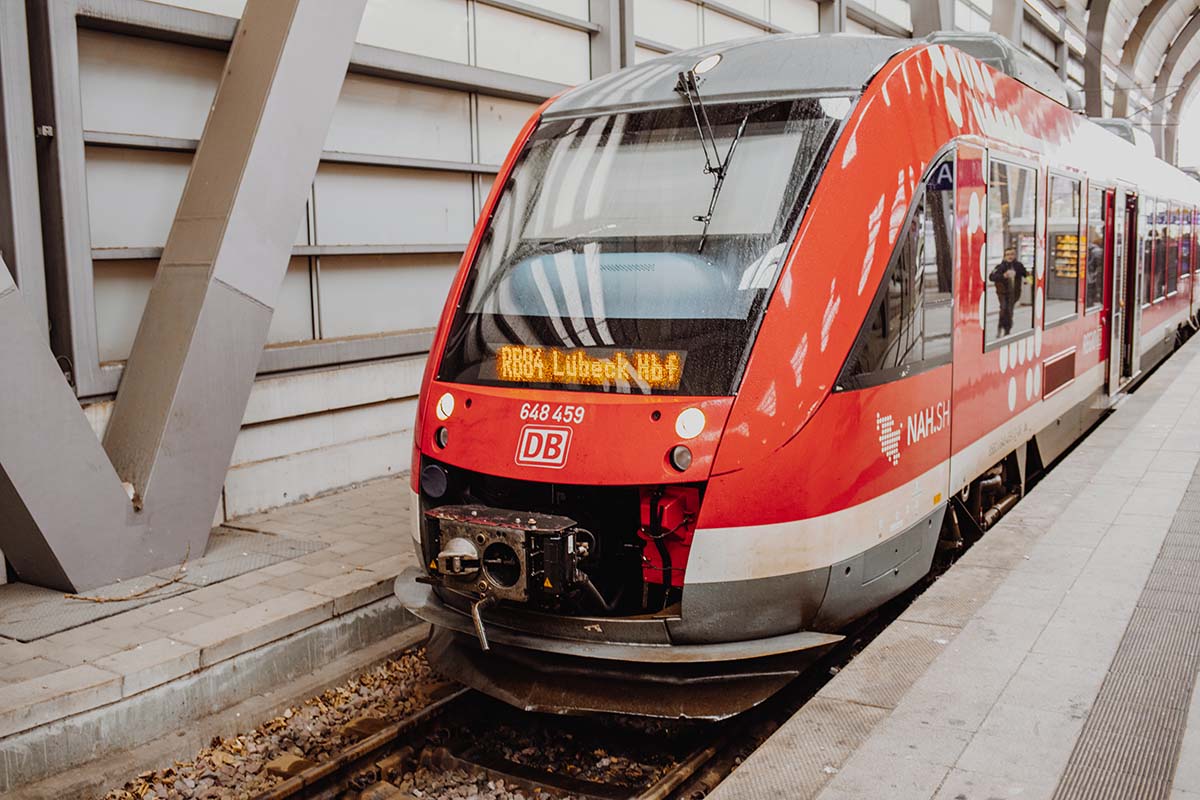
x: 1147, y: 21
x: 1164, y: 80
x: 1187, y: 87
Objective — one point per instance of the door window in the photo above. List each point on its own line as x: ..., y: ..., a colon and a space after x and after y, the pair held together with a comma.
x: 1146, y: 238
x: 1094, y: 242
x: 1011, y: 251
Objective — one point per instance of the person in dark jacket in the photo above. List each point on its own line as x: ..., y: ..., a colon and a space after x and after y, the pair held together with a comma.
x: 1008, y: 278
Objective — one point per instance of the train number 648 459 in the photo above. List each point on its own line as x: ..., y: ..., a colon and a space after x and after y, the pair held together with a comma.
x: 558, y: 413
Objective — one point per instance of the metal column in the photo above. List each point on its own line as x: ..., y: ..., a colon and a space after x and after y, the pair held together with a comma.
x: 832, y: 16
x: 1008, y: 19
x: 929, y: 16
x: 1093, y: 58
x: 70, y: 523
x: 612, y: 46
x: 20, y: 221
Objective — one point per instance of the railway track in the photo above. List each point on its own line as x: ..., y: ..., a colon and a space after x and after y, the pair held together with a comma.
x: 421, y: 741
x: 462, y: 732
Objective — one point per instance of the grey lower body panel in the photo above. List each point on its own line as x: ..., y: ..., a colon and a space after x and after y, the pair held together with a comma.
x: 822, y: 599
x: 866, y: 581
x: 740, y: 610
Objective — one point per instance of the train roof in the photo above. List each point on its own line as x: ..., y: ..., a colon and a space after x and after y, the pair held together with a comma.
x: 772, y: 66
x: 789, y: 64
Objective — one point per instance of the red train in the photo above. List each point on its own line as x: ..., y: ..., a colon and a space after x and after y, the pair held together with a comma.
x: 744, y: 332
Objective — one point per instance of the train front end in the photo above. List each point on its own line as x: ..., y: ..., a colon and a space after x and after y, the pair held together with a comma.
x: 579, y: 387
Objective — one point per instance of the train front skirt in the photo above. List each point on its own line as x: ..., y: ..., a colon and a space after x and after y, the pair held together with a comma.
x: 571, y: 676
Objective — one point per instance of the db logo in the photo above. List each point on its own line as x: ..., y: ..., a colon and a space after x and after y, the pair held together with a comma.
x: 543, y: 446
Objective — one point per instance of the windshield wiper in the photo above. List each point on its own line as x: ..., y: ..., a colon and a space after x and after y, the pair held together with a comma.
x: 688, y: 85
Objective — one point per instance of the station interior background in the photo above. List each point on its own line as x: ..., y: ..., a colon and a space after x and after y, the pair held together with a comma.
x: 436, y: 92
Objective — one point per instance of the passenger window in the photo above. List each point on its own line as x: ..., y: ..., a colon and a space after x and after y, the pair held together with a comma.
x: 1062, y: 281
x: 1094, y: 269
x: 1146, y: 232
x: 1011, y: 237
x: 910, y: 324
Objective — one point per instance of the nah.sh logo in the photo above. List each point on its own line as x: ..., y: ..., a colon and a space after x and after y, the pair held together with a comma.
x: 543, y: 446
x: 889, y: 437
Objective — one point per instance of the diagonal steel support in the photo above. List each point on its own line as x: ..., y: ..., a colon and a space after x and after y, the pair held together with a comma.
x: 65, y: 519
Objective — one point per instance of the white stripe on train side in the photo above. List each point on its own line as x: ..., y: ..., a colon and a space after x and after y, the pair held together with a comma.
x: 784, y: 548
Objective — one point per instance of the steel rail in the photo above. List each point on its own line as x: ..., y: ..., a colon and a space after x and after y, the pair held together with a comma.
x: 313, y: 776
x: 681, y: 772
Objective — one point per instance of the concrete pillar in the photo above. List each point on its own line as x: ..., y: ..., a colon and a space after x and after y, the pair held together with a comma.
x: 1008, y: 19
x: 929, y: 16
x: 69, y: 522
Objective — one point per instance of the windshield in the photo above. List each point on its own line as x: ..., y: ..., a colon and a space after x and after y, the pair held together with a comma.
x: 597, y: 273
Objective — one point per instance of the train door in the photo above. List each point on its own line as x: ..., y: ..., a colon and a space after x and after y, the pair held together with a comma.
x: 1130, y: 357
x: 1193, y: 239
x: 1113, y: 266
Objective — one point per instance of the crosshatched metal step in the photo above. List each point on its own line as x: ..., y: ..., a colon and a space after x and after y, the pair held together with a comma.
x: 28, y: 613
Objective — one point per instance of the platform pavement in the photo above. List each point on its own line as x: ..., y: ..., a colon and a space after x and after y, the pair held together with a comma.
x: 119, y: 682
x: 1056, y: 659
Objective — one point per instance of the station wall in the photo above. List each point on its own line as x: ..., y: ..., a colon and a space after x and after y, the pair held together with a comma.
x: 407, y: 165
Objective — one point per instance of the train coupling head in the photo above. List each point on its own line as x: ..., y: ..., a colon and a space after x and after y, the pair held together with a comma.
x: 515, y: 556
x: 459, y: 558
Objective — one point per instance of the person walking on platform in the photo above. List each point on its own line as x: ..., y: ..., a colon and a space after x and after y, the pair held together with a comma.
x: 1008, y: 278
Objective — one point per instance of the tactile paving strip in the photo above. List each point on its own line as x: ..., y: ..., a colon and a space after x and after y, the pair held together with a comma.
x: 28, y: 613
x: 1130, y: 743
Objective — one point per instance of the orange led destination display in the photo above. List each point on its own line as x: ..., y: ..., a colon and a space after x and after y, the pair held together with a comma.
x: 649, y: 368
